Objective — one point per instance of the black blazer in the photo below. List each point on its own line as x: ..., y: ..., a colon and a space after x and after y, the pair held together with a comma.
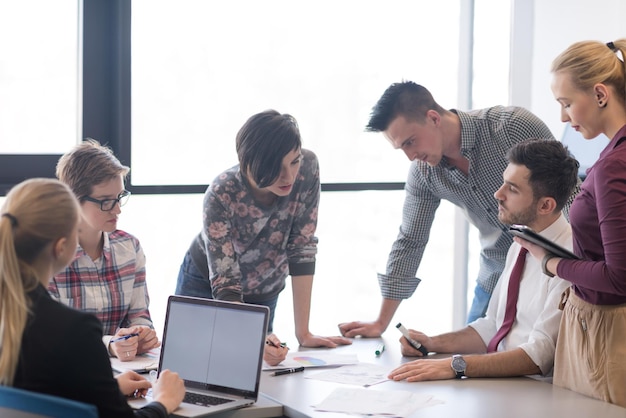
x: 62, y: 354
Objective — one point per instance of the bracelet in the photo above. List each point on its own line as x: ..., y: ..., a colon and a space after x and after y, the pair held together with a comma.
x: 544, y: 264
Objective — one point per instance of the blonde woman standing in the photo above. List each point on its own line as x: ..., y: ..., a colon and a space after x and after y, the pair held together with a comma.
x: 589, y: 84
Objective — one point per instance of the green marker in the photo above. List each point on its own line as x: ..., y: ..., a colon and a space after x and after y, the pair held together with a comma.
x: 379, y: 349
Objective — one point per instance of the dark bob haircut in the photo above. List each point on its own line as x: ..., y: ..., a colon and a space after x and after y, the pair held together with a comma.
x: 262, y: 143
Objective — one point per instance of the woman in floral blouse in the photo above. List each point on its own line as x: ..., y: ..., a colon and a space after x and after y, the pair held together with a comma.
x: 259, y: 222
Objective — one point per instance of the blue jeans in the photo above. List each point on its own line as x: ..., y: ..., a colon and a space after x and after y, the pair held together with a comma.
x: 479, y: 304
x: 191, y: 282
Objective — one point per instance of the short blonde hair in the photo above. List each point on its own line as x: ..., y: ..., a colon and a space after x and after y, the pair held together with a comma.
x: 87, y: 165
x: 593, y: 62
x: 36, y: 212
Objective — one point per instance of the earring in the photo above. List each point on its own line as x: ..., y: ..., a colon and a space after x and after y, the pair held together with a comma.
x: 601, y: 103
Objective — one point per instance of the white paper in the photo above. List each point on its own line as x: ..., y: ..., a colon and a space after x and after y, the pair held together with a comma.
x: 315, y: 358
x: 375, y: 402
x: 142, y: 363
x: 361, y: 374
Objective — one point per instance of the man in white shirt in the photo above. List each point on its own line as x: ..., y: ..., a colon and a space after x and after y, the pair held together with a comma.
x: 538, y: 181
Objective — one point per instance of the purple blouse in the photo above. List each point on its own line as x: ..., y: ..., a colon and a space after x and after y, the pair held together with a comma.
x: 598, y: 218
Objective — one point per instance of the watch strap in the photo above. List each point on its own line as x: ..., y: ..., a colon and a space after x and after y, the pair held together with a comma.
x: 544, y: 264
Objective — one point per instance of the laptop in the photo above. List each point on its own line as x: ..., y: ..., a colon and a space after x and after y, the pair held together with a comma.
x: 584, y: 150
x: 217, y: 349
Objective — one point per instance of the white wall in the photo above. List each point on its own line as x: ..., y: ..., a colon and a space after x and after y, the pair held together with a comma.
x: 558, y: 24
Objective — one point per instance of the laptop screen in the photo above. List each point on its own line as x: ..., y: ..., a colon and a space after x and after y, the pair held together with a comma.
x: 584, y: 150
x: 215, y: 345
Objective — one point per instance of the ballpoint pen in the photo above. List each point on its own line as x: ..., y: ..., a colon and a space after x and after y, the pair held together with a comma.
x: 411, y: 341
x: 288, y: 371
x: 281, y: 345
x: 125, y: 337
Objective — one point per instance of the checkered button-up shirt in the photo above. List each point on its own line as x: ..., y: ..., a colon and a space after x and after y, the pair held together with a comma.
x: 113, y: 288
x: 486, y: 136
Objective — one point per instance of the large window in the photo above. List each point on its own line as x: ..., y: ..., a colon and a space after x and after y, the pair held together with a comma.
x: 168, y: 84
x: 39, y: 110
x: 325, y: 62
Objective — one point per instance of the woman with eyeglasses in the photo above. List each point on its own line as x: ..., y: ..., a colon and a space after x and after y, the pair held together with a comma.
x: 259, y: 222
x: 107, y: 276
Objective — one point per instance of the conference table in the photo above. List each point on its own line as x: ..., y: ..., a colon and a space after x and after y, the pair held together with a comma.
x: 472, y: 398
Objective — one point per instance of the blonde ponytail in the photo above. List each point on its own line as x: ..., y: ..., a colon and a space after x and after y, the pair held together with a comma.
x: 36, y: 212
x: 592, y: 62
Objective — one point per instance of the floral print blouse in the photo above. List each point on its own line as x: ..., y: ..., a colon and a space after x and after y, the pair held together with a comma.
x: 252, y: 248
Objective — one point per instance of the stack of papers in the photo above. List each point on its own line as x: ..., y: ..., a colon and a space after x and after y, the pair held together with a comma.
x: 362, y: 374
x: 143, y: 363
x: 370, y: 402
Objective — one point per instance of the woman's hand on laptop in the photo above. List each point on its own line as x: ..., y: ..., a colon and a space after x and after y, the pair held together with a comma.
x: 133, y: 384
x: 169, y: 390
x: 275, y: 351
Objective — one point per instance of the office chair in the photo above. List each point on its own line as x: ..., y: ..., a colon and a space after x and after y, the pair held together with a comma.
x: 20, y: 403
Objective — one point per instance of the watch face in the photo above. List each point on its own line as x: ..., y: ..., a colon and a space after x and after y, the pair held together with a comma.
x: 458, y: 364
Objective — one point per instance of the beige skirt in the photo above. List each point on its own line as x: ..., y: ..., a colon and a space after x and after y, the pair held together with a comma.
x: 590, y: 353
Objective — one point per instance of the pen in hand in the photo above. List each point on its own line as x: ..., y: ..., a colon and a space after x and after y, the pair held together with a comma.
x: 281, y: 345
x: 125, y: 337
x: 411, y: 341
x: 288, y: 371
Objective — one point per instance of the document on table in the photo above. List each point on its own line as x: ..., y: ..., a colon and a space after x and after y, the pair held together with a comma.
x: 361, y: 374
x: 389, y: 403
x: 142, y: 363
x: 313, y: 358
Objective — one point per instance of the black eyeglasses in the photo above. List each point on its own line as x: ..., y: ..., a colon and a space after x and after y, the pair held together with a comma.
x: 108, y: 204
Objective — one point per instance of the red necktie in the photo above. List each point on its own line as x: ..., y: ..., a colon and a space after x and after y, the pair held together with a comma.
x: 511, y: 301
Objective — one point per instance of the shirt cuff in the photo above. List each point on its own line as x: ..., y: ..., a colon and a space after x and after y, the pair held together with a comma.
x: 106, y: 340
x: 541, y: 352
x: 157, y: 407
x: 397, y: 288
x: 486, y: 329
x: 302, y: 269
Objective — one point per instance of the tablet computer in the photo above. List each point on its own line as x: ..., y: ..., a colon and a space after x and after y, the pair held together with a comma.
x: 528, y: 234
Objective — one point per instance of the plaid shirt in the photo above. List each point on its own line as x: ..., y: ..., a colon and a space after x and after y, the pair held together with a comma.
x: 486, y: 136
x: 113, y: 288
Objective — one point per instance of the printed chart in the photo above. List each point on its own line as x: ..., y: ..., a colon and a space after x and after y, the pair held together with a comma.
x: 314, y: 359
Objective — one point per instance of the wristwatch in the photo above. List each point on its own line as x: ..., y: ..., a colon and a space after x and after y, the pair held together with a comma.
x: 458, y: 365
x: 544, y: 264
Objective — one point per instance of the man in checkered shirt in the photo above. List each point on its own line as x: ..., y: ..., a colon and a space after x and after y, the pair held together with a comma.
x: 457, y: 156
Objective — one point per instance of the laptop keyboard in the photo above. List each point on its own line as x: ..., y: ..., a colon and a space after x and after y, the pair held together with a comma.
x: 204, y: 400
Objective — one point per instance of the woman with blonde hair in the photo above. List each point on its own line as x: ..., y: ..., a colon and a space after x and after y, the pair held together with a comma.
x: 589, y: 84
x: 45, y: 346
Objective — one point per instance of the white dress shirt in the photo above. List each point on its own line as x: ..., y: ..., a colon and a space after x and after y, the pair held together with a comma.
x: 537, y: 320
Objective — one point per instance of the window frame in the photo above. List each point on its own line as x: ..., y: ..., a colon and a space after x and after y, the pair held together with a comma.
x: 105, y: 102
x: 105, y: 106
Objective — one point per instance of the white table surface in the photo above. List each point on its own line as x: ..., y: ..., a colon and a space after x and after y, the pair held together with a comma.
x: 474, y: 398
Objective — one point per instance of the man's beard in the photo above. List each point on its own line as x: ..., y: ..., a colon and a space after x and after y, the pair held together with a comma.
x: 524, y: 217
